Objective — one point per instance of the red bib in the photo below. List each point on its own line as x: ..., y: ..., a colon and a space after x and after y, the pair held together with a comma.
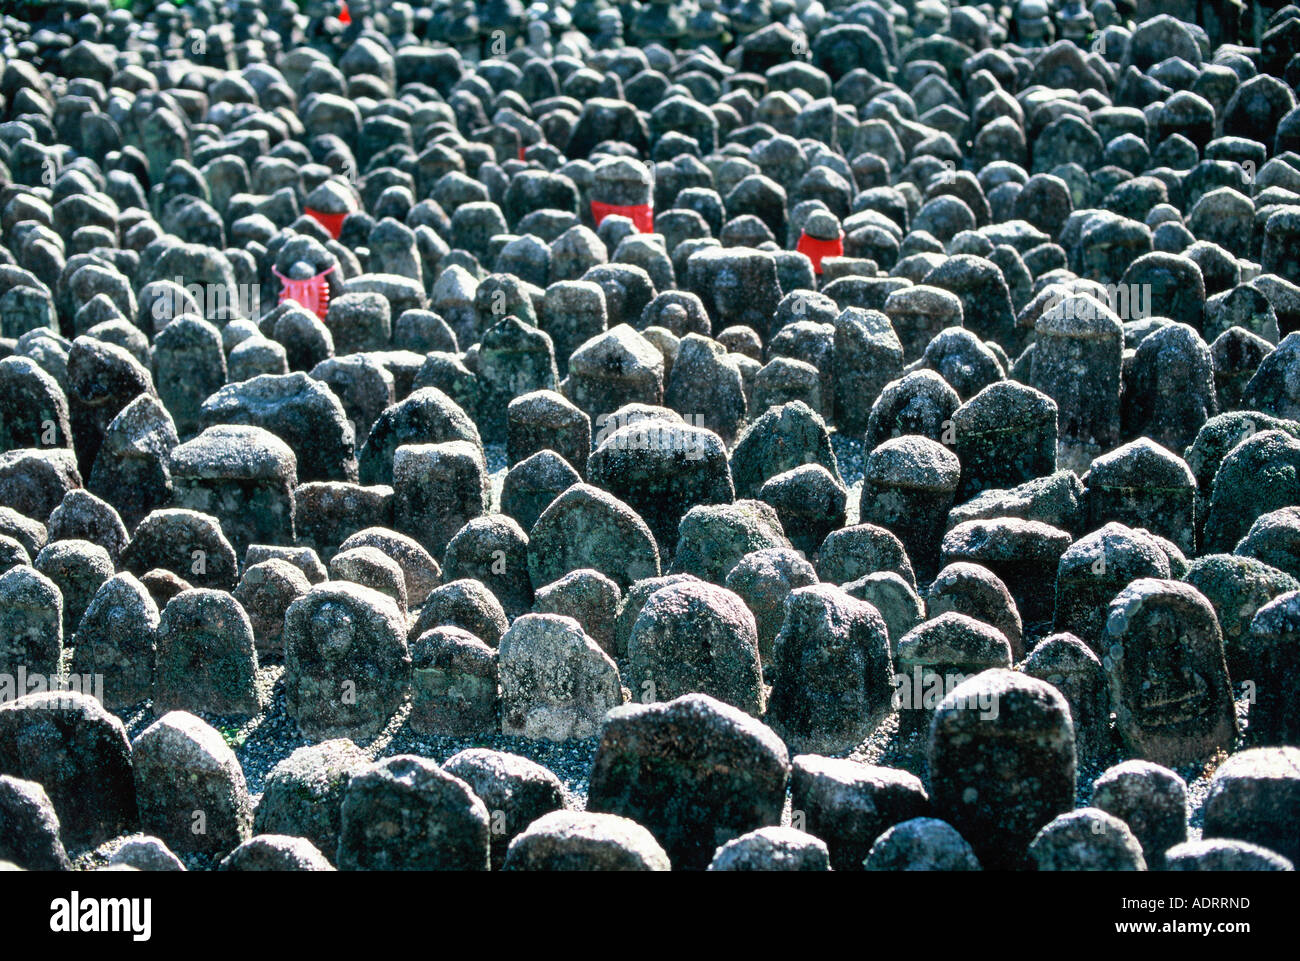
x: 312, y: 293
x: 816, y: 249
x: 641, y: 215
x: 331, y: 222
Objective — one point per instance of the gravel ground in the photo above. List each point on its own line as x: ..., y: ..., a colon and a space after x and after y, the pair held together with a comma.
x: 263, y: 741
x: 497, y: 466
x: 851, y: 456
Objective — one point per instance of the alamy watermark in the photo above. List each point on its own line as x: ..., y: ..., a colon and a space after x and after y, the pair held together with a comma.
x: 650, y: 432
x: 22, y: 682
x: 923, y: 690
x: 76, y: 914
x: 213, y: 300
x: 1126, y: 301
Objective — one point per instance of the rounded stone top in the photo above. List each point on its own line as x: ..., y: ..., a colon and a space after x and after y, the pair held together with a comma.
x: 1080, y: 316
x: 332, y: 197
x: 847, y: 771
x: 705, y: 715
x: 914, y: 462
x: 25, y: 586
x: 1128, y: 604
x: 1223, y: 854
x: 1021, y: 702
x: 1261, y: 763
x: 187, y: 743
x: 234, y: 452
x: 616, y: 352
x: 1141, y: 463
x: 928, y: 300
x: 954, y: 638
x: 1063, y: 653
x: 1006, y: 405
x: 1155, y: 777
x: 1115, y: 543
x: 623, y: 169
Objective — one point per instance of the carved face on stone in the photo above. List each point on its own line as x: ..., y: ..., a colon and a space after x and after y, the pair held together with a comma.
x: 674, y: 317
x: 333, y: 629
x: 1171, y: 690
x: 1169, y: 684
x: 728, y: 292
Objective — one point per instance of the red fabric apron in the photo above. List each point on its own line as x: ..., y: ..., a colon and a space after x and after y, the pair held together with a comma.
x: 331, y: 222
x: 312, y: 293
x: 641, y: 215
x: 816, y: 249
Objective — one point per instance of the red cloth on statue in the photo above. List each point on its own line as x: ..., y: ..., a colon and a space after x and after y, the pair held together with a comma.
x: 345, y: 15
x: 641, y: 215
x: 816, y: 249
x: 312, y: 293
x: 331, y: 222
